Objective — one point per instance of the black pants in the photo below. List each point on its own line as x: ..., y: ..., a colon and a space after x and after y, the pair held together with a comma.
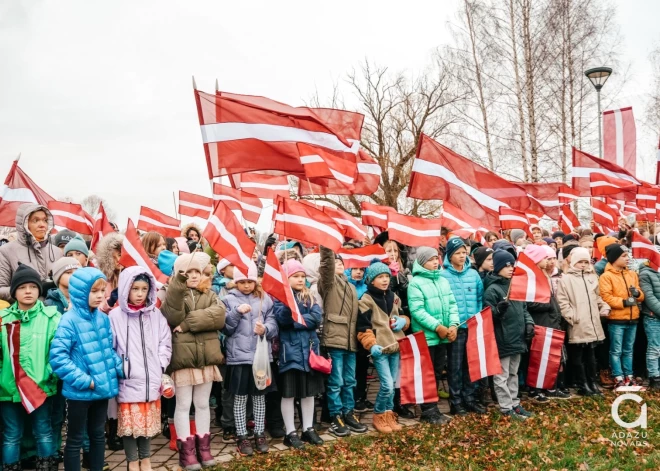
x: 361, y: 367
x: 274, y: 418
x: 582, y: 360
x: 90, y: 416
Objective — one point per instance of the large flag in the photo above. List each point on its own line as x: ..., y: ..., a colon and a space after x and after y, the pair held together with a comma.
x: 366, y: 181
x: 567, y: 194
x: 152, y: 220
x: 418, y: 384
x: 133, y: 253
x: 620, y: 138
x: 529, y: 283
x: 459, y: 221
x: 303, y: 222
x: 544, y: 357
x: 102, y: 227
x: 248, y: 204
x: 276, y: 283
x: 351, y: 227
x: 194, y: 205
x: 319, y: 163
x: 361, y: 257
x: 263, y: 185
x: 483, y: 357
x: 414, y: 231
x: 32, y: 396
x: 545, y: 194
x: 71, y: 216
x: 227, y: 237
x: 603, y: 214
x: 19, y: 189
x: 512, y: 219
x: 644, y: 248
x: 375, y: 215
x: 607, y: 185
x: 585, y: 164
x: 568, y: 221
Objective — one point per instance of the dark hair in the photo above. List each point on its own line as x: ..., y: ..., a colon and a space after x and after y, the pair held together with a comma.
x: 192, y: 228
x: 490, y: 234
x: 169, y: 243
x: 444, y: 231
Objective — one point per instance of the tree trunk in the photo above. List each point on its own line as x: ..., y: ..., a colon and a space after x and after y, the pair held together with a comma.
x: 529, y: 80
x: 519, y: 94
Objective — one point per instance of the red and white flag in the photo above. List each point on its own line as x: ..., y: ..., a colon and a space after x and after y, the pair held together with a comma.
x: 276, y: 283
x: 568, y: 221
x: 546, y: 195
x: 194, y: 205
x: 620, y: 138
x: 512, y: 219
x: 71, y: 216
x: 351, y: 227
x: 607, y: 185
x: 303, y: 222
x: 414, y: 231
x: 567, y: 194
x: 585, y: 164
x: 644, y: 248
x: 458, y: 220
x: 603, y: 214
x: 32, y: 396
x: 544, y: 357
x: 534, y: 216
x: 151, y: 220
x: 102, y: 227
x: 319, y: 163
x: 375, y: 215
x: 248, y: 204
x: 482, y: 354
x: 133, y: 253
x: 529, y: 283
x: 418, y: 384
x: 361, y: 257
x: 265, y: 186
x: 647, y: 198
x: 19, y: 189
x: 366, y: 182
x: 227, y: 237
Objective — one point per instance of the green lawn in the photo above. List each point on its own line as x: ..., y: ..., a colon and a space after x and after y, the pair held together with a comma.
x: 572, y: 435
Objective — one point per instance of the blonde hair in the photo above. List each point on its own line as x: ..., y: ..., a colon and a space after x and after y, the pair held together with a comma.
x: 97, y: 284
x: 305, y: 296
x: 398, y: 250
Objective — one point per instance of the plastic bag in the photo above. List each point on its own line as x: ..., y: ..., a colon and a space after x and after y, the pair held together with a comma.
x: 261, y: 364
x: 167, y: 386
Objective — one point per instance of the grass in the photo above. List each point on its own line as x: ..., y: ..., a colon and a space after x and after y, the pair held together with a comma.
x: 573, y: 435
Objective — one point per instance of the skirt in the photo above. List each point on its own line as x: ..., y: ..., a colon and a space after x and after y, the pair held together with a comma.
x: 299, y: 384
x: 239, y: 381
x: 195, y: 376
x: 140, y: 419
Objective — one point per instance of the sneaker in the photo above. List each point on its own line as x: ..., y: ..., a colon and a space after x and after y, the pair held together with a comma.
x: 338, y: 428
x: 260, y: 443
x: 243, y: 446
x: 513, y: 416
x: 521, y: 411
x: 558, y: 394
x: 229, y: 435
x: 364, y: 406
x: 538, y: 396
x: 457, y: 410
x: 293, y: 441
x: 630, y: 381
x: 404, y: 412
x: 310, y: 436
x: 442, y: 394
x: 353, y: 423
x: 619, y: 383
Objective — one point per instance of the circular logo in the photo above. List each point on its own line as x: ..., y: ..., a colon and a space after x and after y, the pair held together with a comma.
x: 641, y: 420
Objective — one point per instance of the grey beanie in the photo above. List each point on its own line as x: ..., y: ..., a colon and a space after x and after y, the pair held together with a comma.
x: 424, y: 254
x: 516, y: 234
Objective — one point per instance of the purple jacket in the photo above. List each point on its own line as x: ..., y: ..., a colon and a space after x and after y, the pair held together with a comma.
x: 241, y: 341
x: 142, y: 340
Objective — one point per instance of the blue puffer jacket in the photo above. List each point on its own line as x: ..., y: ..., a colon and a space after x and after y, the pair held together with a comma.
x: 360, y: 285
x: 295, y: 339
x: 82, y: 348
x: 467, y: 287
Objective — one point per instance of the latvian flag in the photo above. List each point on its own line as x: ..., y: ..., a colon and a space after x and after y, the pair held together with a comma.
x: 544, y: 357
x: 417, y: 376
x: 482, y: 354
x: 529, y: 283
x: 32, y: 396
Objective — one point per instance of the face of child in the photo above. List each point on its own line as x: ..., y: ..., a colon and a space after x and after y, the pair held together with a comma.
x: 81, y: 257
x: 38, y: 225
x: 64, y: 279
x: 175, y: 248
x: 382, y: 281
x: 542, y: 264
x: 622, y: 261
x: 506, y: 272
x: 97, y: 294
x: 339, y: 266
x: 552, y: 262
x: 246, y: 286
x: 488, y: 263
x: 458, y: 258
x: 297, y: 281
x: 432, y: 263
x: 116, y: 256
x: 27, y: 295
x: 589, y: 245
x: 582, y: 265
x: 357, y: 273
x: 162, y: 245
x: 139, y: 292
x: 537, y: 234
x: 194, y: 278
x: 392, y: 251
x: 208, y: 271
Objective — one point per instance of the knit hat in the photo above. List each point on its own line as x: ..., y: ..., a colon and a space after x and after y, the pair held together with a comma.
x: 376, y: 268
x: 182, y: 243
x: 613, y: 252
x: 568, y: 237
x: 516, y: 234
x: 503, y: 244
x: 535, y: 226
x: 424, y: 254
x: 603, y: 242
x: 480, y: 255
x: 535, y: 253
x: 549, y: 240
x: 567, y: 249
x: 77, y: 244
x: 453, y: 245
x: 502, y: 259
x: 558, y: 234
x: 293, y: 266
x: 166, y: 261
x: 222, y: 264
x: 551, y: 253
x: 251, y: 274
x: 62, y: 265
x: 24, y: 274
x: 578, y: 254
x: 63, y: 237
x: 197, y: 261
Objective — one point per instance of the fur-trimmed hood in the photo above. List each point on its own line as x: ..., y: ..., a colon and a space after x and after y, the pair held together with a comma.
x: 104, y: 253
x: 187, y: 227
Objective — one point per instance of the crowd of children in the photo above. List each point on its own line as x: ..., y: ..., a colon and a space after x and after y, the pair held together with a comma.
x: 102, y: 347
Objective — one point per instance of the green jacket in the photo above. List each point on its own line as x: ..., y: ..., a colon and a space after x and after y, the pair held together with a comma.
x: 649, y: 282
x: 431, y: 303
x: 38, y: 328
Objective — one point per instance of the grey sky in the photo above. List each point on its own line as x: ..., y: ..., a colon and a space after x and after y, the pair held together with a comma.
x: 98, y: 98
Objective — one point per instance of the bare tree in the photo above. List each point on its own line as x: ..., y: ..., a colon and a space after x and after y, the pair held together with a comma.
x: 92, y: 203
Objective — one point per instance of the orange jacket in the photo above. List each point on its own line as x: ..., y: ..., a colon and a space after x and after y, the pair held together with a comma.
x: 614, y: 287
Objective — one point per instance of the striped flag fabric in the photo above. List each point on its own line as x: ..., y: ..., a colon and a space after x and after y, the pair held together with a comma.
x: 226, y: 236
x: 361, y: 257
x: 32, y: 396
x: 529, y: 283
x: 18, y: 189
x: 607, y: 185
x: 413, y: 231
x: 366, y: 182
x: 303, y: 222
x: 644, y: 248
x: 151, y: 220
x: 318, y: 163
x: 620, y: 138
x: 585, y: 164
x: 534, y: 217
x: 374, y: 215
x: 276, y: 283
x: 248, y: 204
x: 481, y: 347
x: 101, y: 228
x: 568, y: 221
x: 194, y: 205
x: 566, y: 194
x: 71, y: 216
x: 512, y: 219
x: 351, y: 226
x: 546, y: 195
x: 133, y: 253
x: 544, y: 357
x: 418, y: 384
x: 603, y: 214
x: 460, y: 222
x: 265, y: 186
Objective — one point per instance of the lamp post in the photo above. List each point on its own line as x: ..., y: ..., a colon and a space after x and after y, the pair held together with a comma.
x: 598, y: 76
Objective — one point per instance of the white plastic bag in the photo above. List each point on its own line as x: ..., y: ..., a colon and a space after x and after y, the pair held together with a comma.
x: 261, y: 364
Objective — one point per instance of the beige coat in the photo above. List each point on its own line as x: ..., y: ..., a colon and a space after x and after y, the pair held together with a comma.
x: 578, y: 295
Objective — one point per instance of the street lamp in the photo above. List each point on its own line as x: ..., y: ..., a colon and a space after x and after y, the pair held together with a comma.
x: 598, y: 76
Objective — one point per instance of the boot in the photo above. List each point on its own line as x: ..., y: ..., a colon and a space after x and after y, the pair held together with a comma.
x: 114, y: 442
x: 145, y: 465
x: 392, y: 421
x: 133, y: 466
x: 53, y: 463
x: 381, y: 423
x: 593, y: 385
x: 654, y: 384
x: 204, y: 455
x: 172, y: 437
x: 188, y: 454
x: 583, y: 386
x: 606, y: 379
x: 401, y: 411
x: 42, y: 464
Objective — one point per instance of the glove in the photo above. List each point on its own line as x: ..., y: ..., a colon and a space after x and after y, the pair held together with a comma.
x: 502, y: 307
x: 114, y: 296
x: 629, y: 302
x: 442, y: 331
x: 529, y: 332
x: 376, y: 351
x: 399, y: 324
x: 634, y: 292
x: 452, y: 332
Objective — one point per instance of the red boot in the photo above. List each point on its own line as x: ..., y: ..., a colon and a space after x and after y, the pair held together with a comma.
x: 193, y: 428
x: 188, y: 455
x: 173, y: 446
x: 204, y: 455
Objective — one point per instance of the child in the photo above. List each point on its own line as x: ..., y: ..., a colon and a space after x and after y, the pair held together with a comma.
x: 141, y: 337
x: 62, y: 271
x: 649, y: 280
x: 619, y: 288
x: 483, y: 261
x: 579, y: 298
x: 222, y: 280
x: 514, y: 327
x: 32, y: 326
x: 380, y: 325
x: 434, y: 311
x: 82, y: 357
x: 195, y: 317
x: 297, y: 380
x: 77, y: 248
x: 249, y: 315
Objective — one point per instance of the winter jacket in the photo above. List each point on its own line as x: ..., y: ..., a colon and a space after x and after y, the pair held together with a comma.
x: 37, y: 329
x: 200, y: 317
x: 399, y: 286
x: 510, y: 325
x: 600, y: 266
x: 240, y: 340
x: 649, y: 279
x: 219, y: 285
x: 340, y: 301
x: 26, y: 250
x: 614, y: 289
x: 142, y: 339
x: 360, y: 285
x: 295, y: 338
x: 581, y: 306
x: 56, y: 298
x: 377, y: 307
x: 547, y: 314
x: 467, y: 287
x: 431, y: 303
x: 81, y: 351
x: 312, y: 264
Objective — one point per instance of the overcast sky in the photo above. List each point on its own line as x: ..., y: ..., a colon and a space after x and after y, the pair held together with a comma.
x: 97, y: 96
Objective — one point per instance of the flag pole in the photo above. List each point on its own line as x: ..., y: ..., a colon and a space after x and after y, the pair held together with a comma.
x: 312, y: 192
x: 176, y: 212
